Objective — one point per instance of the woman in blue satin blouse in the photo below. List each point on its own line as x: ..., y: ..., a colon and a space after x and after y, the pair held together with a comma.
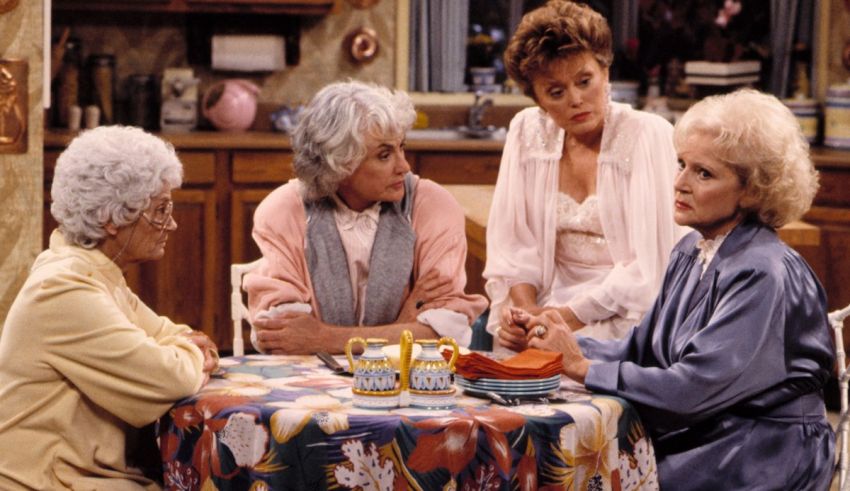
x: 727, y: 369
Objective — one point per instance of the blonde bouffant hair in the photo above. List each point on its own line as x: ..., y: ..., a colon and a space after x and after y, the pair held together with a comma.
x: 559, y: 29
x: 761, y: 140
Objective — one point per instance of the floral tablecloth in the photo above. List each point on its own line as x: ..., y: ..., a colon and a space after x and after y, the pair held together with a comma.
x: 287, y: 422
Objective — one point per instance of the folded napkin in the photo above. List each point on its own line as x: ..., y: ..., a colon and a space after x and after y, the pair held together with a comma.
x: 530, y: 364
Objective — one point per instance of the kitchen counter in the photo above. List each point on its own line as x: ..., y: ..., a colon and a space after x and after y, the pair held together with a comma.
x: 269, y: 140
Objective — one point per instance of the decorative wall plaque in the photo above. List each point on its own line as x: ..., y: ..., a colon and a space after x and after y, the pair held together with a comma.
x: 13, y: 106
x: 362, y: 4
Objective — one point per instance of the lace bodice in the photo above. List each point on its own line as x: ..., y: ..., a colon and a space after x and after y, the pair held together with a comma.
x: 580, y: 239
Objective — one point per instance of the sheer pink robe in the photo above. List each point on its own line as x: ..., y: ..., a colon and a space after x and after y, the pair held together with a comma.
x: 634, y: 187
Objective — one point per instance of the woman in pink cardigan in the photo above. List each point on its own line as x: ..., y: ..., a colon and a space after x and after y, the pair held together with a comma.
x: 357, y: 245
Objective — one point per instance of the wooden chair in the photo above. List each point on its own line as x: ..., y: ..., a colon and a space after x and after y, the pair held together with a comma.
x: 836, y: 320
x: 238, y: 310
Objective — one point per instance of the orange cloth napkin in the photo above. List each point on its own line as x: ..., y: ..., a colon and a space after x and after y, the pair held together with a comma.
x: 530, y: 364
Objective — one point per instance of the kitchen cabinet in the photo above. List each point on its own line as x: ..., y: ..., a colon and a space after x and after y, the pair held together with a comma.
x: 226, y: 176
x: 831, y: 212
x: 450, y: 167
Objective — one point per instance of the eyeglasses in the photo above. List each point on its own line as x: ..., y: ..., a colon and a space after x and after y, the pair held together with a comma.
x: 161, y: 217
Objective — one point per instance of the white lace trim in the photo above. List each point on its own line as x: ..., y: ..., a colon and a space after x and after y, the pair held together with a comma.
x: 708, y: 248
x: 580, y: 238
x: 579, y: 217
x: 543, y: 140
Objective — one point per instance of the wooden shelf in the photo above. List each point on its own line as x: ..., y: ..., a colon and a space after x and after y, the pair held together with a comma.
x: 831, y: 157
x: 290, y: 7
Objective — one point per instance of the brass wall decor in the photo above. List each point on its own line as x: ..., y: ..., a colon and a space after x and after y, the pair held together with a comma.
x: 7, y: 5
x: 361, y: 45
x: 13, y: 105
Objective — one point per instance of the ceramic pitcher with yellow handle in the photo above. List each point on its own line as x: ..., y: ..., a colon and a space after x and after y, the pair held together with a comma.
x: 374, y: 376
x: 431, y: 375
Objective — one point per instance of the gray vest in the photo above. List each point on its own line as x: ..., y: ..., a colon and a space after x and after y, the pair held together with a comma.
x: 390, y: 263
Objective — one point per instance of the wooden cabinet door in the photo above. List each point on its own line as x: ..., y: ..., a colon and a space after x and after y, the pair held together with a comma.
x: 458, y: 167
x: 244, y: 204
x: 184, y: 285
x: 262, y: 167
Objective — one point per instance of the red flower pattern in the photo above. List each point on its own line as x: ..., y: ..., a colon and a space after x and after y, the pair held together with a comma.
x: 454, y: 439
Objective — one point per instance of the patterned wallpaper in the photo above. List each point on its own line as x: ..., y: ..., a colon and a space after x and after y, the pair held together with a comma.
x: 21, y: 174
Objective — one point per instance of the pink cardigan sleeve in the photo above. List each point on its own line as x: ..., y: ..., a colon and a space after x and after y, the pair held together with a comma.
x: 280, y: 228
x: 440, y: 227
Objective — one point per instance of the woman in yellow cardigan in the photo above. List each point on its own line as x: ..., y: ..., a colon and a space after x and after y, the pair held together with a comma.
x: 84, y: 364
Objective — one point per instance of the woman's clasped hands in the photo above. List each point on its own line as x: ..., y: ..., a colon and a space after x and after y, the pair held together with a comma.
x: 545, y: 331
x: 209, y: 350
x: 515, y: 324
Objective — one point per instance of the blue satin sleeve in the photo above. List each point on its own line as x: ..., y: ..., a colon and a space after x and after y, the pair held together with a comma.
x: 755, y: 338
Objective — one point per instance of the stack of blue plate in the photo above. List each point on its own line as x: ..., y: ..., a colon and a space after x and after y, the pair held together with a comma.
x: 515, y: 388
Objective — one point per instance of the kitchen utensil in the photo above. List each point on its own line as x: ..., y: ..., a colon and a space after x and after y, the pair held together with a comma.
x: 68, y: 82
x: 331, y: 363
x: 519, y: 400
x: 102, y: 78
x: 498, y: 399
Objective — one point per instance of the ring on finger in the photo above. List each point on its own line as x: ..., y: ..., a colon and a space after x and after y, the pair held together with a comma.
x: 540, y: 331
x: 496, y: 332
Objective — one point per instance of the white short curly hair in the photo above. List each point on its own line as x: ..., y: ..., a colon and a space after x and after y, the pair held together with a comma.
x: 329, y: 141
x: 760, y: 138
x: 109, y: 174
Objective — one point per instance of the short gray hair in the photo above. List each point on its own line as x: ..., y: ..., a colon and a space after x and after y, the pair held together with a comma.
x: 760, y: 138
x: 330, y: 139
x: 109, y: 174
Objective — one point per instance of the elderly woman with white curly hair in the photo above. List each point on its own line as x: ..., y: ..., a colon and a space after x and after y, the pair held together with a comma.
x: 84, y: 364
x: 728, y: 367
x: 357, y: 245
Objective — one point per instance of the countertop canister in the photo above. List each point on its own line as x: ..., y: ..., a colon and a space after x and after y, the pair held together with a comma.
x: 142, y: 104
x: 806, y: 112
x: 836, y: 126
x: 68, y: 83
x: 102, y: 78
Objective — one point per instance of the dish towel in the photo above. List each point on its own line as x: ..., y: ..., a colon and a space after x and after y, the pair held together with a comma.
x: 529, y: 364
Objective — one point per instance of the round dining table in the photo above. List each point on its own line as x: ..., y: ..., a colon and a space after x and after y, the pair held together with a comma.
x: 288, y: 422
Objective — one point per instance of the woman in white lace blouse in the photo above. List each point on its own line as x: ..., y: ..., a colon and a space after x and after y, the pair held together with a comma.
x: 582, y: 217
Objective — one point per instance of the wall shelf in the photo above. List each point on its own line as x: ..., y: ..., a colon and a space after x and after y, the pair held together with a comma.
x: 289, y: 7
